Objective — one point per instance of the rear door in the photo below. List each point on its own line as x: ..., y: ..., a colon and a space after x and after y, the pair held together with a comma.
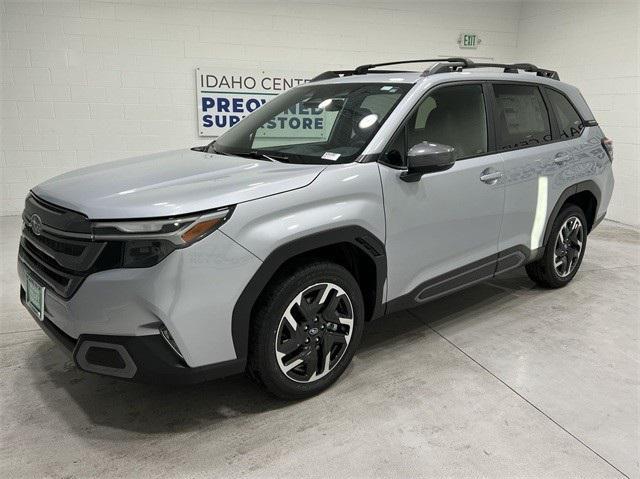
x: 442, y: 231
x: 524, y: 135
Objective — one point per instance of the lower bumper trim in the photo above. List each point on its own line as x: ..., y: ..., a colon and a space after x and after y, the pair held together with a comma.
x: 154, y: 361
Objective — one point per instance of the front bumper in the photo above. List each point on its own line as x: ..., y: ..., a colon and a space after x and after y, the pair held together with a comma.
x: 138, y: 358
x: 191, y: 293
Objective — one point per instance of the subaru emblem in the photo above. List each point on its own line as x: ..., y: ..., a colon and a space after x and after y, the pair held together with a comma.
x: 36, y: 225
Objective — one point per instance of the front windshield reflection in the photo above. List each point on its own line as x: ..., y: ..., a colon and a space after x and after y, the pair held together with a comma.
x: 314, y: 124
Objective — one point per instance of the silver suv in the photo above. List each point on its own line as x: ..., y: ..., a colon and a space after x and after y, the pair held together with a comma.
x: 357, y: 194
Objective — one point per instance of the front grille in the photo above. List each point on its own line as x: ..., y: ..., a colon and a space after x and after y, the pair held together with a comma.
x: 38, y: 264
x: 62, y: 262
x: 58, y: 245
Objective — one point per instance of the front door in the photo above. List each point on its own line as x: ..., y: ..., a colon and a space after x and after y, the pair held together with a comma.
x: 442, y: 231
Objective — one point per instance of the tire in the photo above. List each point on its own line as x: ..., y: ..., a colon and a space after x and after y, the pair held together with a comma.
x: 297, y: 325
x: 546, y: 272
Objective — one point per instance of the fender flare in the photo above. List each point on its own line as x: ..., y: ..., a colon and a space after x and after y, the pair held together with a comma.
x: 364, y: 240
x: 588, y: 185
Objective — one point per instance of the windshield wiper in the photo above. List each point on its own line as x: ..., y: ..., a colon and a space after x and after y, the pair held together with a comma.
x: 258, y: 155
x: 262, y: 156
x: 211, y: 148
x: 273, y: 157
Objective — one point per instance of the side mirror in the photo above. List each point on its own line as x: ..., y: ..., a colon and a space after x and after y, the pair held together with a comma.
x: 427, y: 157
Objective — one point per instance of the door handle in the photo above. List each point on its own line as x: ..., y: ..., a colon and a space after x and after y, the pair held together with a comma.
x: 491, y: 178
x: 561, y: 158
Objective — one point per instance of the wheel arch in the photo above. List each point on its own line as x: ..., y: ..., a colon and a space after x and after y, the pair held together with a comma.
x: 586, y: 195
x: 353, y: 247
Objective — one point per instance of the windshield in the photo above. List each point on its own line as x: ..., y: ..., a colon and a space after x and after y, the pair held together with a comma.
x: 320, y: 124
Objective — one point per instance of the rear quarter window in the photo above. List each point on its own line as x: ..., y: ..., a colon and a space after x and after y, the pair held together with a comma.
x: 569, y: 122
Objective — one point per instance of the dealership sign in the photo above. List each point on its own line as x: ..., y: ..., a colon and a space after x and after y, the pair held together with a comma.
x: 225, y: 97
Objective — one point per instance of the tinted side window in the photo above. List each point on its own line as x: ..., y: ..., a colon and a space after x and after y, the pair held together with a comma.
x: 569, y: 122
x: 453, y: 116
x: 522, y: 117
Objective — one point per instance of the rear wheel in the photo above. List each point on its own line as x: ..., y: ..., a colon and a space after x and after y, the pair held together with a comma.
x: 306, y: 330
x: 564, y: 250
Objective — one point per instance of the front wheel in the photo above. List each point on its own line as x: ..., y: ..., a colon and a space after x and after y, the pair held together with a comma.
x: 564, y: 250
x: 306, y: 330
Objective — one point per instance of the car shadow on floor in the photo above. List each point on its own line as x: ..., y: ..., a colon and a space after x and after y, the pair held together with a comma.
x: 150, y: 409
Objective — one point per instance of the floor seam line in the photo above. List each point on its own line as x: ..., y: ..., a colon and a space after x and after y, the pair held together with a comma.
x: 629, y: 266
x: 18, y: 332
x: 517, y: 393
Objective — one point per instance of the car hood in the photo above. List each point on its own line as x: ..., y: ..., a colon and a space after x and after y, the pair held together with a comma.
x: 171, y: 183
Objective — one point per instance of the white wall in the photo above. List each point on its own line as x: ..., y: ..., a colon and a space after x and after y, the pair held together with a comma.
x: 595, y: 46
x: 85, y: 82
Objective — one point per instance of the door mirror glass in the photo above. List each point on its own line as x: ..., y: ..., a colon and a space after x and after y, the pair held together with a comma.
x: 427, y: 157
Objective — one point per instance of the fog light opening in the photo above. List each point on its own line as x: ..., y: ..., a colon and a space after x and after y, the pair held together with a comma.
x: 166, y: 335
x: 111, y: 359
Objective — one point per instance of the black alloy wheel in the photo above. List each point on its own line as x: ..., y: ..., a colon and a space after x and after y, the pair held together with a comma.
x: 314, y: 332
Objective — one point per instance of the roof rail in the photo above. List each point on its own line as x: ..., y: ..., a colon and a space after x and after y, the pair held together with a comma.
x: 331, y: 74
x: 446, y: 66
x: 514, y: 67
x: 364, y: 69
x: 443, y: 65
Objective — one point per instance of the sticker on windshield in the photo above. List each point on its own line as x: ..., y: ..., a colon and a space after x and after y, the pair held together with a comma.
x: 330, y: 156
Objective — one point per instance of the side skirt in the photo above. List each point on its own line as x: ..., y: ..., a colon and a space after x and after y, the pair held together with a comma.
x: 461, y: 278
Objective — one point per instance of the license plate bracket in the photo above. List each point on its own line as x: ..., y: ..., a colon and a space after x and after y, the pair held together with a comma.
x: 35, y: 296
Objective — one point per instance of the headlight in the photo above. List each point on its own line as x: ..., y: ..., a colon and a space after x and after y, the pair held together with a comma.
x: 181, y: 231
x: 144, y: 243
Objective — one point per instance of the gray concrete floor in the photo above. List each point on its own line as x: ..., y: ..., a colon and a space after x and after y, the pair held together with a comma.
x: 501, y: 380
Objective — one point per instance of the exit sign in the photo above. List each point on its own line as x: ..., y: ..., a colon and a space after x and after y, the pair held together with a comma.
x: 468, y: 40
